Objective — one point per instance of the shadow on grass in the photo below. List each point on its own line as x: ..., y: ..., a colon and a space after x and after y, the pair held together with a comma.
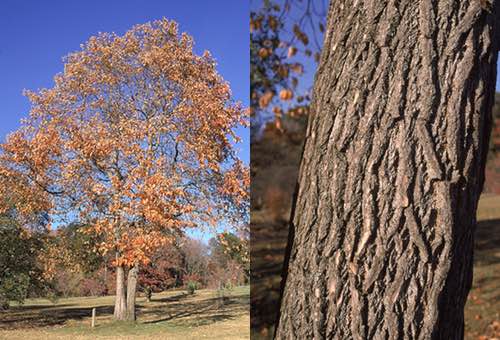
x: 175, y: 308
x: 47, y: 316
x: 38, y: 307
x: 175, y: 298
x: 197, y: 313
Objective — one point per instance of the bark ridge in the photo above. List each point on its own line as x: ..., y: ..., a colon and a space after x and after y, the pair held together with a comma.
x: 392, y: 170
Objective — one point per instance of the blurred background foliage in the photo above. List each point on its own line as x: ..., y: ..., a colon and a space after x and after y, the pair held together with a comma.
x: 285, y: 43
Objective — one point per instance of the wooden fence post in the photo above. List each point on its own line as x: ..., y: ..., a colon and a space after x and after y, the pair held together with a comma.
x: 93, y: 317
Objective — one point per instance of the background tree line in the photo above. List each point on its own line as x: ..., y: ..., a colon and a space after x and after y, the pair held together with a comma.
x: 63, y: 263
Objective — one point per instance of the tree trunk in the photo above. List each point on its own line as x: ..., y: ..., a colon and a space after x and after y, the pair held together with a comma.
x: 120, y: 312
x: 148, y: 291
x: 382, y: 228
x: 105, y: 278
x: 131, y: 292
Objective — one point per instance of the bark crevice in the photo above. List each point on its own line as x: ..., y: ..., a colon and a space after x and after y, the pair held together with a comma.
x: 392, y: 169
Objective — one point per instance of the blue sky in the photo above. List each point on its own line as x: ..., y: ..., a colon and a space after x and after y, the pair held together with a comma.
x: 35, y: 35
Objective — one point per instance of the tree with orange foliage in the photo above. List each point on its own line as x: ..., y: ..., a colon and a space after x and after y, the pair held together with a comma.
x: 136, y: 140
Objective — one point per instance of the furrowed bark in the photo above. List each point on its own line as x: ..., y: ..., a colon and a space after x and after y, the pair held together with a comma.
x: 120, y: 312
x: 131, y: 292
x: 392, y: 170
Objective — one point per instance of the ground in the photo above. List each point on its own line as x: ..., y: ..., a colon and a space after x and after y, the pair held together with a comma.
x: 482, y: 312
x: 275, y: 160
x: 170, y: 315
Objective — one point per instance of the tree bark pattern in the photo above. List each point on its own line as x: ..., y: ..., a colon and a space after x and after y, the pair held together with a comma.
x: 120, y: 312
x: 131, y: 292
x: 393, y: 166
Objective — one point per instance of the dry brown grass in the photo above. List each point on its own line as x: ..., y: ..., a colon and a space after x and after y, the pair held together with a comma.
x: 482, y: 312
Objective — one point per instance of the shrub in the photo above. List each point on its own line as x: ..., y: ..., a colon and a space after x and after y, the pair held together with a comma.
x: 13, y: 288
x: 92, y: 286
x: 53, y: 296
x: 192, y: 286
x: 148, y: 293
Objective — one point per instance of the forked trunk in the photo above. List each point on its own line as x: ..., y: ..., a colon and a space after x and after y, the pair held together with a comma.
x: 393, y: 166
x: 131, y: 292
x: 120, y: 312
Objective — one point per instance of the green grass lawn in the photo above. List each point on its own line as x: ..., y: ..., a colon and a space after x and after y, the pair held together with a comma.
x: 170, y: 315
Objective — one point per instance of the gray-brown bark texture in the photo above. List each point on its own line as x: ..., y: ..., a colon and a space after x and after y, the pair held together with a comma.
x: 131, y: 292
x: 383, y: 224
x: 120, y: 312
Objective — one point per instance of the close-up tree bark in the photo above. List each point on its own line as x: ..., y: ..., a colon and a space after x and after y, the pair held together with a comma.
x: 382, y: 228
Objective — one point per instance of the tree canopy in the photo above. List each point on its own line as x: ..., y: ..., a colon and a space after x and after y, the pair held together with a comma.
x: 135, y: 138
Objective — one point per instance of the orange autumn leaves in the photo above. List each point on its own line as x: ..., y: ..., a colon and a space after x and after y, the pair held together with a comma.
x: 283, y: 38
x: 135, y: 139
